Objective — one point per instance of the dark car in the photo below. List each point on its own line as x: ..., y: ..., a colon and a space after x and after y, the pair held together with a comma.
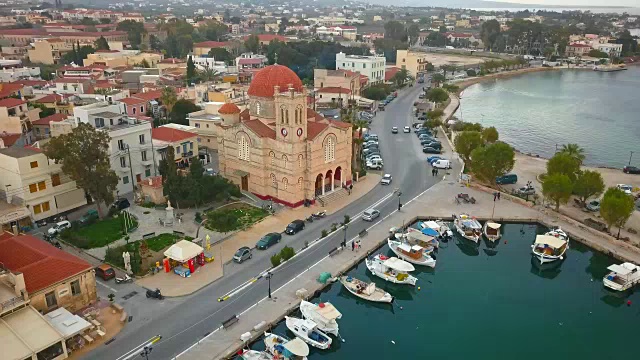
x: 268, y: 240
x: 121, y: 203
x: 294, y: 227
x: 631, y: 170
x: 434, y: 144
x: 430, y: 150
x: 507, y: 179
x: 105, y: 272
x: 430, y: 142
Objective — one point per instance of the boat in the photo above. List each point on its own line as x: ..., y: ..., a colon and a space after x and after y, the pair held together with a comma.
x: 391, y: 269
x: 425, y: 238
x: 468, y: 227
x: 549, y: 248
x: 414, y: 254
x: 491, y: 230
x: 323, y: 314
x: 366, y: 291
x: 439, y: 226
x: 254, y: 355
x: 308, y: 331
x: 282, y: 348
x: 609, y: 68
x: 557, y: 232
x: 622, y: 277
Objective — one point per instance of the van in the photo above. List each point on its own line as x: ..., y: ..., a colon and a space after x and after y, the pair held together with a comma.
x: 441, y: 164
x: 507, y: 179
x: 370, y: 215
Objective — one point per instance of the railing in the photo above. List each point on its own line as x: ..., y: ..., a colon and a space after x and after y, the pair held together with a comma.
x: 11, y: 303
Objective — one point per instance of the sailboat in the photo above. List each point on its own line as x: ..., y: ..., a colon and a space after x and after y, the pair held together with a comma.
x: 308, y: 331
x: 491, y: 230
x: 414, y: 254
x: 323, y: 314
x: 284, y: 349
x: 366, y: 291
x: 391, y: 269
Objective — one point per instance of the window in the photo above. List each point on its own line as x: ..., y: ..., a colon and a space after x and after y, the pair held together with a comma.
x: 282, y: 114
x: 273, y: 158
x: 141, y: 137
x: 300, y: 158
x: 75, y: 287
x: 191, y: 146
x: 207, y: 125
x: 199, y: 140
x: 99, y: 122
x: 329, y: 149
x: 285, y: 183
x: 33, y: 164
x: 134, y: 111
x: 243, y: 149
x: 55, y: 179
x: 33, y: 188
x: 141, y: 109
x: 364, y: 66
x: 45, y: 206
x: 123, y: 161
x: 37, y: 209
x: 258, y: 107
x: 125, y: 180
x: 285, y: 160
x: 177, y: 149
x: 42, y: 186
x: 300, y: 183
x: 120, y: 144
x: 51, y: 300
x: 274, y: 183
x: 147, y: 172
x: 143, y: 154
x: 197, y: 125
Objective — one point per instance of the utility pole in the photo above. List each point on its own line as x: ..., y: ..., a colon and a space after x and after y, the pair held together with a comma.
x: 269, y: 276
x: 133, y: 185
x: 153, y: 152
x: 630, y: 156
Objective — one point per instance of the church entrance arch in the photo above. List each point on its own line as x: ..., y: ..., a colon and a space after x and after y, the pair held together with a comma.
x: 328, y: 181
x: 318, y: 186
x: 338, y: 178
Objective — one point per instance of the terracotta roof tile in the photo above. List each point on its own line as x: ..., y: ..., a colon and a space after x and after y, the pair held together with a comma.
x: 334, y: 90
x: 229, y: 108
x: 313, y: 114
x: 260, y: 128
x: 244, y: 115
x: 9, y: 139
x: 171, y: 135
x: 266, y: 79
x: 48, y: 119
x: 314, y: 129
x: 132, y: 101
x: 11, y: 102
x: 149, y: 95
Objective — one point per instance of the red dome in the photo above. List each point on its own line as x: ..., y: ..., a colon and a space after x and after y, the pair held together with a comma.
x: 229, y: 108
x: 274, y: 75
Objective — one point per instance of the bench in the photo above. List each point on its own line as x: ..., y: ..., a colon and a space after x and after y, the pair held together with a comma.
x: 117, y: 307
x: 123, y: 317
x: 363, y: 233
x: 335, y: 250
x: 230, y: 321
x: 149, y: 235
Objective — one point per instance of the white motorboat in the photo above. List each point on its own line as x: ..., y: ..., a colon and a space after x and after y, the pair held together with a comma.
x: 323, y: 314
x: 491, y: 230
x: 282, y: 348
x: 425, y: 238
x: 622, y: 277
x: 365, y: 291
x: 254, y: 355
x: 549, y: 248
x: 439, y: 227
x: 308, y: 331
x: 468, y: 227
x: 557, y: 232
x: 391, y: 269
x: 414, y: 254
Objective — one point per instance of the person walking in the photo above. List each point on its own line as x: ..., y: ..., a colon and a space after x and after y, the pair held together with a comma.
x: 495, y: 196
x: 498, y: 195
x: 436, y: 171
x: 353, y: 245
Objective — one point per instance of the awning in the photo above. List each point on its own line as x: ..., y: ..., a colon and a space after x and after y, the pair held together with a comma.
x: 419, y: 236
x: 550, y: 240
x: 430, y: 232
x: 431, y: 224
x: 67, y: 323
x: 297, y: 347
x: 328, y: 311
x: 620, y: 269
x: 240, y: 173
x: 183, y: 251
x: 493, y: 225
x: 398, y: 264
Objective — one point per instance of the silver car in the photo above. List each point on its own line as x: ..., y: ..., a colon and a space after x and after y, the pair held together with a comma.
x: 370, y: 215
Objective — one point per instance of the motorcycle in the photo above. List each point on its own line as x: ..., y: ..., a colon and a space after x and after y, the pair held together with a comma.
x: 319, y: 214
x: 310, y: 219
x: 125, y: 279
x: 156, y: 294
x: 57, y: 244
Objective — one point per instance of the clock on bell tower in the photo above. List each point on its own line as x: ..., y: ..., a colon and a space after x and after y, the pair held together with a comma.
x: 291, y: 115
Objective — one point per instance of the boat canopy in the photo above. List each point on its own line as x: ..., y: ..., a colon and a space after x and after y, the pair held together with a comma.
x: 297, y: 347
x: 404, y: 247
x: 419, y: 236
x: 328, y: 311
x: 417, y: 248
x: 493, y: 225
x: 550, y: 240
x: 398, y: 264
x: 430, y: 232
x: 371, y: 288
x: 620, y: 269
x: 431, y: 224
x: 471, y: 224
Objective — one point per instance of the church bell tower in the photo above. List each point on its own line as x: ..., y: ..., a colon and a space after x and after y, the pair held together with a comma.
x: 291, y: 115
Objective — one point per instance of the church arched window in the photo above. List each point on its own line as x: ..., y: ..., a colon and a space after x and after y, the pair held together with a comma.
x: 274, y: 183
x: 300, y: 160
x: 243, y: 148
x: 287, y: 116
x: 300, y: 113
x: 329, y: 149
x: 272, y: 155
x: 300, y: 183
x: 258, y: 107
x: 285, y: 183
x: 285, y: 161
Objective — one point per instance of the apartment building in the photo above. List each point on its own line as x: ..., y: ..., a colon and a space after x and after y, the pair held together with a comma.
x: 16, y: 117
x: 414, y: 62
x: 15, y: 74
x: 26, y: 36
x: 206, y: 123
x: 115, y: 58
x: 353, y: 81
x: 370, y: 66
x: 203, y: 48
x: 184, y: 144
x: 48, y: 51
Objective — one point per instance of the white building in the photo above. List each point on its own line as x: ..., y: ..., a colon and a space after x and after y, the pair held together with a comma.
x: 370, y: 66
x: 15, y: 74
x: 611, y: 49
x: 204, y: 61
x: 131, y: 146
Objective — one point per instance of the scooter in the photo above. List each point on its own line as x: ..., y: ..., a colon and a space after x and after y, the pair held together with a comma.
x: 125, y: 279
x: 310, y: 219
x: 156, y: 294
x: 319, y: 214
x: 57, y: 244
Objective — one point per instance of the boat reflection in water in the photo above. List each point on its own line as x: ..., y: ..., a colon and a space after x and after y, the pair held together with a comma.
x: 545, y: 270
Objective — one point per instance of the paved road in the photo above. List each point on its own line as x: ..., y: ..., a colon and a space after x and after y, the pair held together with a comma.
x: 182, y: 321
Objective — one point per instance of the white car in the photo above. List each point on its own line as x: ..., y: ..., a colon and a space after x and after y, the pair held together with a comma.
x: 628, y: 189
x: 406, y: 129
x: 370, y: 214
x: 441, y: 164
x: 58, y: 227
x: 394, y: 130
x: 375, y: 164
x: 386, y: 179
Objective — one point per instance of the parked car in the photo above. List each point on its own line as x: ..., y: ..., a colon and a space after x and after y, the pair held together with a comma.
x: 372, y: 154
x: 294, y: 227
x: 431, y: 159
x: 88, y: 217
x: 268, y: 240
x: 526, y: 190
x: 507, y: 179
x: 421, y: 96
x: 121, y: 203
x: 375, y: 164
x: 210, y: 172
x: 406, y: 130
x: 593, y: 205
x: 425, y: 136
x: 425, y: 142
x: 441, y: 164
x: 431, y: 150
x: 386, y: 179
x: 243, y: 254
x: 374, y: 158
x: 370, y: 214
x: 434, y: 144
x: 58, y: 227
x: 105, y: 272
x: 628, y: 189
x: 631, y: 170
x: 394, y: 130
x: 373, y: 137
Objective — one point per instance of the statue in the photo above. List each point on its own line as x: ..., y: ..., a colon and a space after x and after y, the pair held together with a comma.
x: 127, y: 261
x: 169, y: 204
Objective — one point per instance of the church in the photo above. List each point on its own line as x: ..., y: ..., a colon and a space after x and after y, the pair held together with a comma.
x: 278, y: 148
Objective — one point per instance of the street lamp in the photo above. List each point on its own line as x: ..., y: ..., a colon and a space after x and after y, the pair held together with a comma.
x: 269, y: 276
x: 146, y: 351
x: 344, y: 242
x: 399, y: 203
x: 630, y: 156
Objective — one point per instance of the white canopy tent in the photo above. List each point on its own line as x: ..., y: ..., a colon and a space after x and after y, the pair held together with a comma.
x: 183, y: 250
x: 67, y: 323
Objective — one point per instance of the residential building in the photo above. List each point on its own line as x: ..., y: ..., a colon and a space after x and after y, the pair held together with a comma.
x: 464, y: 23
x: 73, y: 86
x: 49, y: 51
x: 347, y: 32
x: 248, y: 61
x: 115, y: 58
x: 462, y: 39
x: 205, y: 61
x: 335, y: 96
x: 611, y: 49
x: 16, y: 117
x: 577, y: 49
x: 205, y: 124
x: 203, y: 48
x: 37, y: 183
x: 15, y: 74
x: 266, y: 39
x: 135, y: 106
x: 14, y: 52
x: 413, y: 61
x: 41, y: 127
x: 27, y: 36
x: 370, y: 66
x: 338, y: 78
x: 183, y: 143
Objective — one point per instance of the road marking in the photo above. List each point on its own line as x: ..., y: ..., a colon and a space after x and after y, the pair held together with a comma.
x: 107, y: 286
x: 134, y: 351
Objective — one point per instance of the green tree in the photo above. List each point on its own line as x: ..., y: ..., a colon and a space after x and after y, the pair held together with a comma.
x: 598, y: 54
x: 413, y: 31
x: 44, y: 111
x: 194, y: 182
x: 489, y: 162
x: 401, y: 77
x: 588, y: 183
x: 575, y: 151
x: 489, y: 33
x: 84, y: 153
x: 191, y: 69
x: 101, y: 44
x: 180, y: 111
x: 376, y: 92
x: 395, y: 30
x: 437, y: 95
x: 616, y: 207
x: 467, y: 141
x: 252, y: 43
x: 438, y: 79
x: 172, y: 182
x: 208, y: 74
x: 557, y: 188
x: 563, y: 163
x: 490, y: 134
x: 135, y: 30
x: 221, y: 54
x: 77, y: 55
x: 282, y: 26
x: 168, y: 98
x: 451, y: 88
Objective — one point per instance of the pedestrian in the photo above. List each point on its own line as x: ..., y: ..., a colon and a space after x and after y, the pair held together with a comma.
x: 436, y: 171
x: 498, y: 195
x: 353, y: 245
x: 495, y: 196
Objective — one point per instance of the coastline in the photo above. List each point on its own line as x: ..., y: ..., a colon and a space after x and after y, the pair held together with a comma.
x: 501, y: 75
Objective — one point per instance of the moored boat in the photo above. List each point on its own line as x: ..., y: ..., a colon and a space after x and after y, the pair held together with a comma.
x: 282, y: 348
x: 559, y: 233
x: 439, y: 226
x: 254, y: 355
x: 468, y: 227
x: 323, y: 314
x: 549, y: 248
x: 366, y: 291
x: 425, y: 238
x: 308, y: 331
x: 491, y: 230
x: 622, y: 277
x: 414, y: 254
x: 391, y: 269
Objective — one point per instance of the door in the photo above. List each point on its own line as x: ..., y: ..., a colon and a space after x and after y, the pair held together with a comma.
x: 245, y: 183
x: 138, y: 178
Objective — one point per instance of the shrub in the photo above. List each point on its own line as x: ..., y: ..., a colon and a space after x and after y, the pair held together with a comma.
x: 334, y: 227
x: 347, y: 219
x: 276, y: 260
x: 324, y: 233
x: 287, y: 253
x: 471, y: 72
x: 198, y: 217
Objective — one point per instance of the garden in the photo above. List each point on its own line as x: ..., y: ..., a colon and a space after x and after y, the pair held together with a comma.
x: 233, y: 217
x: 101, y: 232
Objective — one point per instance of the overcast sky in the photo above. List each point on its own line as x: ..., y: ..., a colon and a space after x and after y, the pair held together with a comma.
x: 633, y: 3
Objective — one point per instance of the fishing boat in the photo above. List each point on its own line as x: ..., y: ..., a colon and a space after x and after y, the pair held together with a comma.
x: 559, y: 233
x: 308, y: 331
x: 439, y: 226
x: 254, y: 355
x: 391, y: 269
x: 468, y: 227
x: 425, y: 238
x: 323, y: 314
x: 549, y: 248
x: 414, y: 254
x: 491, y: 230
x: 366, y: 291
x: 622, y: 277
x: 282, y: 348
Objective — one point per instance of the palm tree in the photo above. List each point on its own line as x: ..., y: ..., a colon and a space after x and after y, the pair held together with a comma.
x: 575, y: 151
x: 168, y: 99
x: 208, y: 74
x: 438, y: 79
